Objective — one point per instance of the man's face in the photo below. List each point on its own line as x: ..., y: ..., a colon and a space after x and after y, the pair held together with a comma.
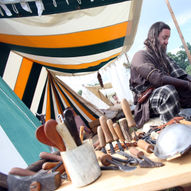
x: 163, y: 37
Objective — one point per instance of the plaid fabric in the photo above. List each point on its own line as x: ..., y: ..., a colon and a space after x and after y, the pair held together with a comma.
x: 176, y: 71
x: 164, y: 101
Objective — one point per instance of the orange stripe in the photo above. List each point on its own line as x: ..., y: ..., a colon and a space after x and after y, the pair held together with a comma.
x: 48, y: 109
x: 63, y: 96
x: 78, y: 104
x: 22, y: 77
x: 76, y: 39
x: 56, y: 97
x: 78, y: 66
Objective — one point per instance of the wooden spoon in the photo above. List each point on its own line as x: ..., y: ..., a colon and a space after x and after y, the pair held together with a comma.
x: 41, y: 136
x: 53, y: 135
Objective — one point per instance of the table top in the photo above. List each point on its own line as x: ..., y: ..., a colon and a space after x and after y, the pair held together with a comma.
x: 175, y: 172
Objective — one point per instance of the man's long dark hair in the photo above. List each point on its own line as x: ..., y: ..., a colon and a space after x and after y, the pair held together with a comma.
x: 152, y: 43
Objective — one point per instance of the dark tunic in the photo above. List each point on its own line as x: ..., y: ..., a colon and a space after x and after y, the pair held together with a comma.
x: 142, y: 66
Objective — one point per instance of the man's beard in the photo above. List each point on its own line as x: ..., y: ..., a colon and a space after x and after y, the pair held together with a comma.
x: 162, y: 50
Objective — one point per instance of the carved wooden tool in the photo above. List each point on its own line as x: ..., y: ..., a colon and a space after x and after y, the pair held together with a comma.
x: 41, y: 136
x: 125, y: 130
x: 101, y: 138
x: 53, y: 135
x: 128, y: 115
x: 71, y: 125
x: 106, y: 160
x: 140, y: 154
x: 145, y: 146
x: 115, y: 137
x: 119, y: 133
x: 107, y: 133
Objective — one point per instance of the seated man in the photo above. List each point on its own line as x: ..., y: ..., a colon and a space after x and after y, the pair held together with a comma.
x: 160, y: 87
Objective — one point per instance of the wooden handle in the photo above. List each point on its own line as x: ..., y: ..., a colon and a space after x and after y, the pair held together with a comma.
x: 66, y: 136
x: 145, y: 146
x: 49, y: 165
x: 125, y: 129
x: 50, y: 156
x: 53, y: 135
x: 101, y: 137
x: 106, y: 131
x: 110, y: 125
x: 118, y: 131
x: 127, y: 112
x: 136, y: 152
x: 103, y: 158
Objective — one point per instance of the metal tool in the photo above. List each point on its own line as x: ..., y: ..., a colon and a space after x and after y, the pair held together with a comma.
x: 114, y: 135
x: 107, y: 133
x: 140, y: 155
x: 106, y: 160
x: 103, y: 143
x: 136, y: 161
x: 48, y: 181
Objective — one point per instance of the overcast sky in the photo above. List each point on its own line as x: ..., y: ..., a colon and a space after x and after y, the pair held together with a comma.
x: 157, y: 10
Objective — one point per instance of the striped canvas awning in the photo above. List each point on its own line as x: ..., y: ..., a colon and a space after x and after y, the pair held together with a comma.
x: 42, y: 92
x: 69, y: 38
x: 75, y: 37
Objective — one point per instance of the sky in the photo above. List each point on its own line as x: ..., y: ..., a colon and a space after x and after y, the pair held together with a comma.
x: 156, y: 10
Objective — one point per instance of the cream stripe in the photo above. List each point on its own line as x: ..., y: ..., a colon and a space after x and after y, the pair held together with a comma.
x: 45, y: 100
x: 38, y: 90
x: 76, y: 106
x: 12, y: 69
x: 54, y: 103
x: 72, y: 60
x: 69, y: 22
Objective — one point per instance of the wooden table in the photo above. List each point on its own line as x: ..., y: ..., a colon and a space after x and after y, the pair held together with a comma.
x: 175, y: 173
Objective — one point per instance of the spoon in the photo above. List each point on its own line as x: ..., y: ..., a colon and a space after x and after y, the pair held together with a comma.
x: 53, y: 135
x: 40, y: 135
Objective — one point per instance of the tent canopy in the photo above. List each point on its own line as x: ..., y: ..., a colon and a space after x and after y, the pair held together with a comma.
x: 56, y: 37
x: 70, y: 36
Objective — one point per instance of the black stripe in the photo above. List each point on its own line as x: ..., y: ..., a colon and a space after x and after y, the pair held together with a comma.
x: 4, y: 52
x: 73, y: 106
x: 31, y: 84
x: 59, y: 98
x: 52, y: 114
x: 76, y: 100
x: 89, y: 69
x: 61, y: 7
x: 70, y: 52
x: 42, y: 99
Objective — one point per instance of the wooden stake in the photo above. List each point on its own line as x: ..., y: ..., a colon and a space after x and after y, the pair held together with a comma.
x: 179, y: 31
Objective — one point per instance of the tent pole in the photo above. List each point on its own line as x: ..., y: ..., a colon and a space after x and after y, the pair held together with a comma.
x: 179, y: 31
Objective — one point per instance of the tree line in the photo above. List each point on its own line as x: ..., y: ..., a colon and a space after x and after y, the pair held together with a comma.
x: 181, y: 58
